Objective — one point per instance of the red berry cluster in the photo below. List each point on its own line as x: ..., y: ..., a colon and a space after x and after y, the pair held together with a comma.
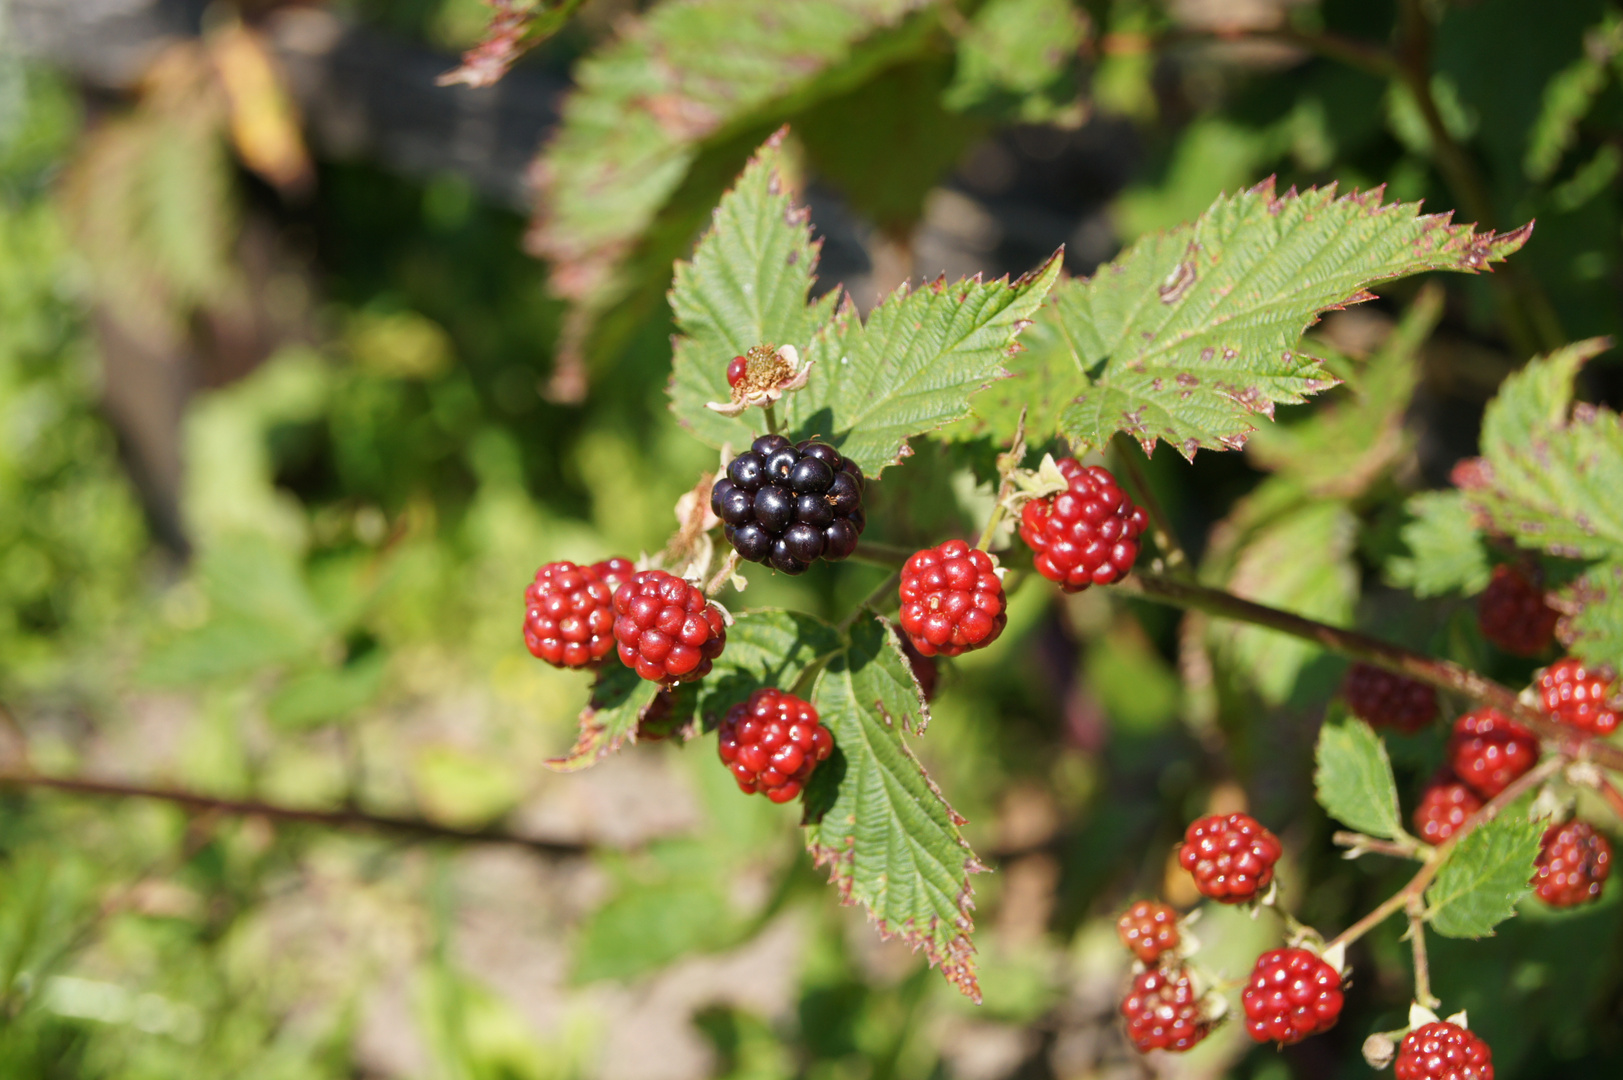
x: 1573, y: 864
x: 1385, y: 699
x: 1231, y: 856
x: 1443, y: 1051
x: 952, y: 599
x: 1577, y: 696
x: 1149, y: 928
x: 1163, y: 1011
x: 569, y: 613
x: 666, y: 629
x: 1513, y: 613
x: 1489, y: 751
x: 1087, y: 534
x: 1444, y: 806
x: 1291, y: 994
x: 772, y: 742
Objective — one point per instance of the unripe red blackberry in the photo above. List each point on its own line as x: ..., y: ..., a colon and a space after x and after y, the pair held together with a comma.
x: 1149, y: 928
x: 735, y: 370
x: 1231, y: 856
x: 1384, y: 699
x: 569, y: 611
x: 772, y: 742
x: 1513, y: 614
x: 1443, y: 1051
x: 1087, y: 534
x: 1163, y: 1011
x: 1578, y: 696
x: 1444, y: 806
x: 667, y: 631
x: 1573, y: 864
x: 1291, y: 994
x: 952, y: 599
x: 790, y: 504
x: 1489, y: 750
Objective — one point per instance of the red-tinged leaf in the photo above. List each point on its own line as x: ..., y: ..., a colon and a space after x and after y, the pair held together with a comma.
x: 516, y: 27
x: 1194, y: 333
x: 620, y: 699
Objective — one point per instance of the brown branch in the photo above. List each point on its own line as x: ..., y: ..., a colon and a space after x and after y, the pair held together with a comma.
x: 417, y: 828
x: 1416, y: 910
x: 1361, y: 844
x: 1443, y: 674
x: 1416, y: 888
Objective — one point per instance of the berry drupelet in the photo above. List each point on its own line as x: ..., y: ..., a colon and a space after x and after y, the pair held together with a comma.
x: 1291, y: 994
x: 1149, y: 928
x: 1443, y: 1051
x: 1513, y: 614
x: 1573, y: 864
x: 569, y: 612
x: 1489, y: 750
x: 1384, y: 699
x: 789, y: 504
x: 952, y: 599
x: 1578, y: 696
x: 1087, y: 534
x: 1444, y: 806
x: 1163, y: 1011
x: 666, y: 629
x: 772, y: 742
x: 1230, y: 855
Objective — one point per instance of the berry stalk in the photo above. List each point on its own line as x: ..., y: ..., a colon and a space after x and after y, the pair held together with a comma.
x: 1415, y: 908
x: 1416, y: 887
x: 1443, y: 674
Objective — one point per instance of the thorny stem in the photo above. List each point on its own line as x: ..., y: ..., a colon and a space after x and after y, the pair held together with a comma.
x: 1166, y: 541
x: 1415, y: 890
x: 1416, y: 909
x: 1443, y: 674
x: 347, y: 818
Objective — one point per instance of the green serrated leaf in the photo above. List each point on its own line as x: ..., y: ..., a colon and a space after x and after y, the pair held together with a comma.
x: 764, y: 648
x: 1343, y: 448
x: 685, y: 75
x: 915, y: 364
x: 1354, y: 779
x: 746, y: 285
x: 1593, y: 626
x: 890, y: 840
x: 619, y: 699
x: 1547, y: 479
x: 1195, y: 332
x: 1486, y: 874
x: 1301, y: 560
x: 1043, y: 378
x: 1446, y: 553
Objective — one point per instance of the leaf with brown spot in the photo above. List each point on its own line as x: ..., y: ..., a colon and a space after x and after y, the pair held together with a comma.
x: 1225, y: 301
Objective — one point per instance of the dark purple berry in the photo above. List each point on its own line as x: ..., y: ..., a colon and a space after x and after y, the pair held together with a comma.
x: 784, y: 559
x: 810, y: 476
x: 789, y: 505
x: 774, y: 508
x: 748, y: 471
x: 750, y: 541
x: 805, y: 542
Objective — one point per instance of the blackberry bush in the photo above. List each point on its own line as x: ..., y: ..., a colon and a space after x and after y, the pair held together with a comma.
x: 1573, y: 864
x: 569, y: 612
x: 1385, y: 699
x: 1514, y: 614
x: 1087, y: 534
x: 1149, y: 928
x: 1291, y: 994
x: 1443, y: 1051
x: 1230, y: 856
x: 1163, y: 1011
x: 667, y: 631
x: 952, y: 600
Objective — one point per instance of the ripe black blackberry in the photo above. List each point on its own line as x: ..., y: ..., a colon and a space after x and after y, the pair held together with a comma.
x: 789, y: 504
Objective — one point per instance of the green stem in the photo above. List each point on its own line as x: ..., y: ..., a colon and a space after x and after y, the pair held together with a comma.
x: 879, y: 591
x: 1416, y: 910
x: 992, y: 522
x: 1414, y: 891
x: 878, y: 553
x: 771, y: 418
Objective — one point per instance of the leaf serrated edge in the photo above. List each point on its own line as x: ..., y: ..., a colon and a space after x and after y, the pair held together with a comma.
x: 591, y: 744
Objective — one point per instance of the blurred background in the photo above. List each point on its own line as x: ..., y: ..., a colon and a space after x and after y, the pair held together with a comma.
x: 307, y: 362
